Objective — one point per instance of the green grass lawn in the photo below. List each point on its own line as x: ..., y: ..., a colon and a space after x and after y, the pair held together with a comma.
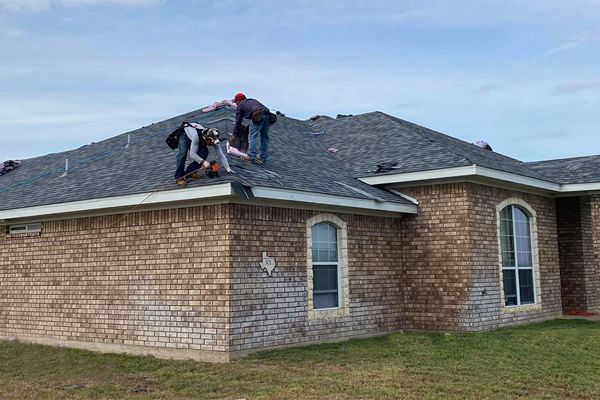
x: 553, y: 360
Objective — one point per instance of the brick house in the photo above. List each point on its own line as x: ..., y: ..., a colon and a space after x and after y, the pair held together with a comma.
x: 108, y: 254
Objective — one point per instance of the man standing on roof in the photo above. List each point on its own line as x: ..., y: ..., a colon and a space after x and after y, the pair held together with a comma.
x: 194, y: 144
x: 259, y: 117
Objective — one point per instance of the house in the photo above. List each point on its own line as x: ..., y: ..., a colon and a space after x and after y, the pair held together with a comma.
x: 401, y: 228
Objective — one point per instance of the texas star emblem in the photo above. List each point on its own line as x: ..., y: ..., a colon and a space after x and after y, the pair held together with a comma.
x: 267, y: 264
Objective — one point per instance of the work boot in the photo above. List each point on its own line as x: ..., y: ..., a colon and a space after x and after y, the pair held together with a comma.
x: 259, y: 160
x: 196, y: 175
x: 181, y: 182
x: 245, y: 158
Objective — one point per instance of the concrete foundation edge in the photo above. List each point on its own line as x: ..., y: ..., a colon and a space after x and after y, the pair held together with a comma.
x: 165, y: 353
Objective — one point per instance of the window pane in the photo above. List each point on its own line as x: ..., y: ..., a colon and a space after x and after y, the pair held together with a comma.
x: 325, y: 300
x: 510, y: 287
x: 524, y: 259
x: 508, y: 251
x: 325, y: 286
x: 507, y: 245
x: 324, y: 242
x: 526, y: 286
x: 324, y: 277
x: 506, y: 225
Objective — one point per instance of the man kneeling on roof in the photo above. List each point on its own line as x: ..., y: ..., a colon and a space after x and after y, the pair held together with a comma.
x: 194, y: 144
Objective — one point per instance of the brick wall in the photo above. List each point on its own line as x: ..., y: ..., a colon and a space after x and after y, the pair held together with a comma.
x: 486, y: 304
x: 576, y: 250
x: 157, y: 279
x: 272, y: 311
x: 451, y: 259
x: 595, y: 215
x: 436, y: 270
x: 189, y: 280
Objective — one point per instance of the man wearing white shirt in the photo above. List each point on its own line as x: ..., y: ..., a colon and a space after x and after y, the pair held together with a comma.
x: 194, y: 144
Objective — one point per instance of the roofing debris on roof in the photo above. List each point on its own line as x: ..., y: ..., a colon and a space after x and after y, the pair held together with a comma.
x: 386, y: 167
x: 9, y: 165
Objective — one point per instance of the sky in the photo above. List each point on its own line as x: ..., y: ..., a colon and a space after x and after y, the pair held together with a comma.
x: 524, y: 75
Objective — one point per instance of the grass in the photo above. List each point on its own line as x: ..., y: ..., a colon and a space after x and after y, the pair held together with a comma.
x: 553, y: 360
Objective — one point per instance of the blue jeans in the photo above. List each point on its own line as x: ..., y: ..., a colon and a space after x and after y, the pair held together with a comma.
x: 182, y: 153
x: 261, y: 128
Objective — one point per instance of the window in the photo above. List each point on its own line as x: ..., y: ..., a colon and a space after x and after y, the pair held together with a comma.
x: 25, y: 228
x: 516, y: 256
x: 325, y: 266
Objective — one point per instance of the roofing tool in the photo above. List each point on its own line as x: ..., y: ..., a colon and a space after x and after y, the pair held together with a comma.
x: 213, y: 170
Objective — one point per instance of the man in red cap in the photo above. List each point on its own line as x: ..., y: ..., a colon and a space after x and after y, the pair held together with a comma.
x: 259, y: 125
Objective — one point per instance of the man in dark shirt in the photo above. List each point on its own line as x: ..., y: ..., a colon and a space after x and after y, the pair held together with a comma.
x: 259, y: 125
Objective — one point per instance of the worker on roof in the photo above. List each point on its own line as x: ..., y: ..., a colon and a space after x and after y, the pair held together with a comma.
x: 194, y: 145
x: 261, y: 120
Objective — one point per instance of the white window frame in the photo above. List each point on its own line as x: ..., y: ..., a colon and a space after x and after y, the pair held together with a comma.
x: 531, y: 214
x: 25, y: 228
x: 342, y: 268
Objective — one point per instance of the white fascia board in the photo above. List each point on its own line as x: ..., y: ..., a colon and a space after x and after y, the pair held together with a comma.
x: 515, y: 178
x: 331, y: 200
x: 579, y: 187
x: 419, y: 176
x: 204, y: 192
x: 461, y: 172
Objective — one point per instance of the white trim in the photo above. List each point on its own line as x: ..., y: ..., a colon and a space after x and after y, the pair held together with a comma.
x: 579, y: 187
x: 223, y: 189
x: 405, y: 196
x: 483, y: 172
x: 467, y: 171
x: 419, y: 176
x: 515, y: 178
x: 327, y: 199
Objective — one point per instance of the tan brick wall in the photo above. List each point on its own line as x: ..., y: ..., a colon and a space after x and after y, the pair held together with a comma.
x: 595, y: 214
x: 272, y: 311
x: 576, y: 251
x: 436, y: 273
x: 486, y: 309
x: 158, y: 279
x: 189, y: 279
x: 451, y: 259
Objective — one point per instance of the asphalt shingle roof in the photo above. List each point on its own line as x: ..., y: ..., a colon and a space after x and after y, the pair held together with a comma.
x: 570, y: 170
x: 107, y: 169
x: 376, y: 138
x: 299, y: 160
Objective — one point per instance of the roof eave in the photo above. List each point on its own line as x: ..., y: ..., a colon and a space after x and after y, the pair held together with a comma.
x: 470, y: 171
x: 223, y: 192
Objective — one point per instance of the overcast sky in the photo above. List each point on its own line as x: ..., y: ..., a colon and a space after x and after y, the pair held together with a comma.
x: 523, y: 75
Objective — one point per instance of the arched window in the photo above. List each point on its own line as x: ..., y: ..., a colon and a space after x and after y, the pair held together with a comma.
x: 325, y: 266
x: 517, y: 256
x: 327, y: 284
